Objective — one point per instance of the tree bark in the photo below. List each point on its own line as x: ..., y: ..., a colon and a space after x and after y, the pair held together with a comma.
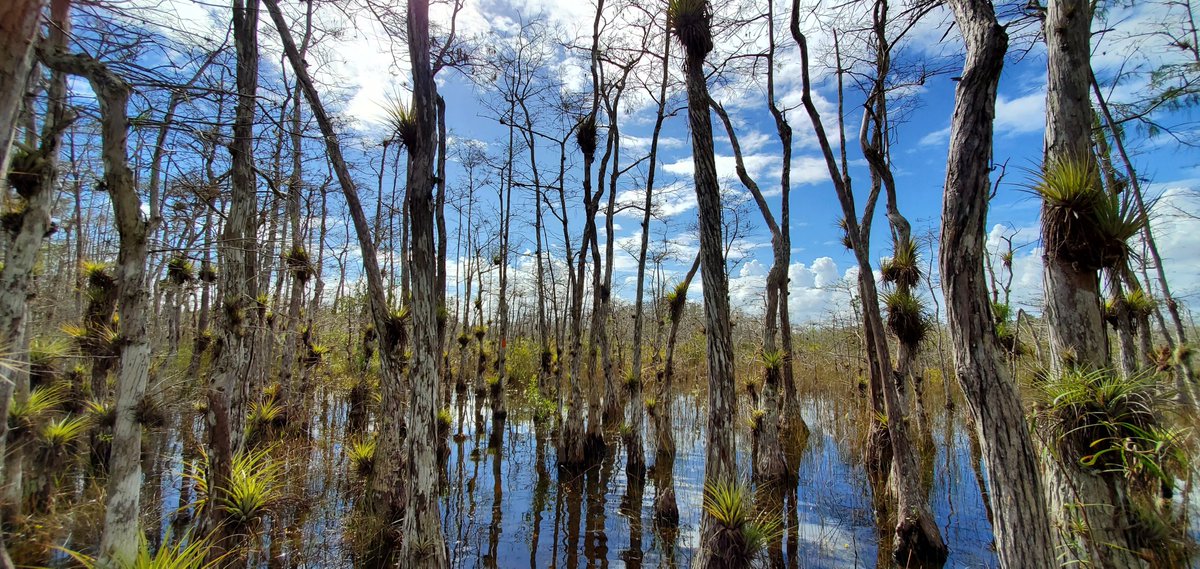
x: 119, y: 542
x: 18, y: 33
x: 1073, y: 311
x: 1022, y: 526
x: 423, y: 545
x: 719, y: 466
x: 385, y: 490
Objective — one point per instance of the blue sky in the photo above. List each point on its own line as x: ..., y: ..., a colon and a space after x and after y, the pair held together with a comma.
x: 362, y: 62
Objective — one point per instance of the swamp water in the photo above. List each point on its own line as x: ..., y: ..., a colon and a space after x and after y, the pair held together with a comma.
x: 509, y: 508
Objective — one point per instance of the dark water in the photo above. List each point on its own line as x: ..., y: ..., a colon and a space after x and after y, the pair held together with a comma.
x: 509, y: 507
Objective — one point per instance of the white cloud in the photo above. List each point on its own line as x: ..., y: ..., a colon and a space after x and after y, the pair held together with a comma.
x: 1024, y: 114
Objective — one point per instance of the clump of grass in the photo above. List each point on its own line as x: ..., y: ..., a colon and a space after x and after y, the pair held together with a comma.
x: 740, y: 534
x: 253, y: 487
x: 361, y: 452
x: 185, y: 553
x: 906, y: 318
x: 903, y: 269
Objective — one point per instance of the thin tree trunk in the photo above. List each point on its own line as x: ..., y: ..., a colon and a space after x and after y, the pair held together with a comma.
x: 385, y: 490
x: 423, y: 545
x: 18, y: 32
x: 719, y: 466
x: 1022, y: 524
x: 119, y: 542
x: 636, y: 462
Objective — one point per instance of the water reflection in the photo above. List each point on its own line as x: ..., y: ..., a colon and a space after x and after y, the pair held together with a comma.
x: 504, y: 503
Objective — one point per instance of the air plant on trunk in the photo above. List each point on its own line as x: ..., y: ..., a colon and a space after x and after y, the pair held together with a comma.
x: 741, y: 534
x: 57, y: 442
x: 361, y: 455
x: 44, y: 356
x: 690, y: 21
x: 299, y: 263
x: 180, y: 271
x: 905, y: 318
x: 1083, y: 223
x: 1108, y: 425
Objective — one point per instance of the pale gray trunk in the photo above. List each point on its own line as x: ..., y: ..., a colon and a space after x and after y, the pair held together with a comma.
x: 18, y: 31
x: 1073, y: 312
x: 423, y: 546
x: 119, y: 542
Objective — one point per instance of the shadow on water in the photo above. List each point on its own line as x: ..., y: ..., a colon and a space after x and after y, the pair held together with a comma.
x: 504, y: 503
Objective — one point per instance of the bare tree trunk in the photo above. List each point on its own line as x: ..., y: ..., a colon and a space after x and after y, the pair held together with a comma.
x: 719, y: 466
x: 769, y: 463
x: 19, y: 21
x: 917, y: 536
x: 18, y: 32
x: 298, y: 264
x: 385, y: 490
x: 423, y: 546
x: 119, y: 542
x: 636, y: 462
x: 1022, y: 525
x: 666, y: 510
